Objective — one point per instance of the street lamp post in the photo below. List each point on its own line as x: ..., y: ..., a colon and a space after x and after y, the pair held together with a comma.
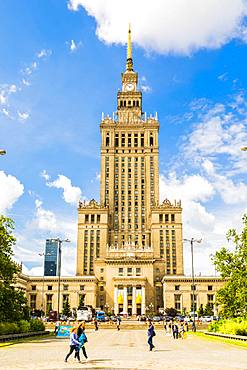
x: 192, y: 241
x: 59, y: 272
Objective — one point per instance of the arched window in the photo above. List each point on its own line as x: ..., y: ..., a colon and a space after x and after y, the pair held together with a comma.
x: 151, y: 141
x: 129, y: 102
x: 107, y: 141
x: 134, y: 103
x: 124, y: 103
x: 137, y: 103
x: 121, y: 103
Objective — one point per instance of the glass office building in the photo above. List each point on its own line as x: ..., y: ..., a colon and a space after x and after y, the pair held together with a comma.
x: 51, y: 257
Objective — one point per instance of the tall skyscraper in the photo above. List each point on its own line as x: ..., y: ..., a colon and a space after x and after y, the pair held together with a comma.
x: 51, y: 257
x: 129, y: 240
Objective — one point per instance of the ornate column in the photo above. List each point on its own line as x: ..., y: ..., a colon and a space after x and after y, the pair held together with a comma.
x: 134, y: 300
x: 125, y: 304
x: 115, y: 300
x: 143, y: 301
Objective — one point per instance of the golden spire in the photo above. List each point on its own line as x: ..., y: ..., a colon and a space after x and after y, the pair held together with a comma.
x: 129, y: 63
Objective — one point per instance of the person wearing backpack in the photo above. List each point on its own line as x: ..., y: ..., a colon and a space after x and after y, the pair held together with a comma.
x: 82, y: 339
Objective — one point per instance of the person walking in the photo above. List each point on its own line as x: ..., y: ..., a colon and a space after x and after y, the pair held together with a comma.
x: 151, y: 334
x: 74, y: 344
x: 95, y: 321
x: 82, y: 340
x: 175, y: 330
x: 118, y: 323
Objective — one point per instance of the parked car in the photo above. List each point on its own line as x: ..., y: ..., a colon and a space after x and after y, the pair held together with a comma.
x: 113, y: 318
x: 142, y: 318
x: 206, y: 319
x: 157, y: 319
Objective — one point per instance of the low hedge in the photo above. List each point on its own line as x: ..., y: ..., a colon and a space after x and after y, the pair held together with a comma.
x: 231, y: 326
x: 23, y: 326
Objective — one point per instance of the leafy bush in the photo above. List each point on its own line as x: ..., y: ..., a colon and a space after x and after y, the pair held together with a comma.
x: 36, y: 325
x: 9, y: 328
x: 23, y: 326
x: 231, y: 326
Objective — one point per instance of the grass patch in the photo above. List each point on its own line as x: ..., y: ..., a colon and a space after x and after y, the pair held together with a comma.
x: 235, y: 342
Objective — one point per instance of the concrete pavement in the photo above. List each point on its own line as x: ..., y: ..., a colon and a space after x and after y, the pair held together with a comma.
x: 126, y: 349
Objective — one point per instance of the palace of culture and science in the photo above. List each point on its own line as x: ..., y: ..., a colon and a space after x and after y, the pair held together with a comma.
x: 129, y: 249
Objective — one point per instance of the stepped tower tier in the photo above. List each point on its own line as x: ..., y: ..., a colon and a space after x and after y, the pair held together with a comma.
x: 128, y: 240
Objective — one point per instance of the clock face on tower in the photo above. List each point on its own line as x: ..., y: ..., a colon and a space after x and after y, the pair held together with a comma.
x: 129, y: 87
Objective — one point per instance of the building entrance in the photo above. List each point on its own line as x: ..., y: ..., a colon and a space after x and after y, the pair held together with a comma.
x: 138, y: 309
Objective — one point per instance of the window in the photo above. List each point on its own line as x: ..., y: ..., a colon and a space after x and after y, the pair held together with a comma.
x: 107, y: 142
x: 172, y: 218
x: 101, y: 288
x: 193, y: 287
x: 120, y: 271
x: 33, y: 287
x: 86, y: 218
x: 49, y: 287
x: 129, y: 271
x: 82, y: 287
x: 98, y: 218
x: 177, y: 287
x: 65, y: 287
x: 101, y: 270
x: 92, y: 218
x: 161, y: 218
x: 138, y: 271
x: 210, y: 287
x: 177, y: 301
x: 33, y: 301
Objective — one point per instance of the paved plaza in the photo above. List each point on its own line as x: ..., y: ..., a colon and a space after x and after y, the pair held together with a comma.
x: 126, y: 349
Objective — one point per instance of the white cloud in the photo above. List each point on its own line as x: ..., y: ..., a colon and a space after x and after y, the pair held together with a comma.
x: 73, y: 46
x: 71, y: 194
x: 171, y: 26
x: 188, y: 188
x: 45, y: 175
x: 11, y: 189
x: 44, y: 53
x: 23, y: 115
x: 218, y: 131
x: 44, y: 219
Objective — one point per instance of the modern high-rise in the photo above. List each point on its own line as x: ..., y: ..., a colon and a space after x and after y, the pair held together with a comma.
x: 129, y: 240
x: 51, y: 257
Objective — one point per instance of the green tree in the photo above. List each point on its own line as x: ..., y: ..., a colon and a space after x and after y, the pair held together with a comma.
x: 232, y: 266
x: 13, y: 305
x: 81, y: 302
x: 66, y: 308
x: 200, y: 311
x: 171, y: 311
x: 208, y: 311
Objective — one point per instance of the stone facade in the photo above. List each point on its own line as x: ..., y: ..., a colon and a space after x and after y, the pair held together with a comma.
x: 178, y: 292
x: 42, y: 292
x: 128, y: 240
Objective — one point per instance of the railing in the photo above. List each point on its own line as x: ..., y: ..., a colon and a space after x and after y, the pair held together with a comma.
x: 227, y: 336
x: 7, y: 337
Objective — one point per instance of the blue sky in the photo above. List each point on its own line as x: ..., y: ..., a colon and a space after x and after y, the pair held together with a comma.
x: 60, y: 68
